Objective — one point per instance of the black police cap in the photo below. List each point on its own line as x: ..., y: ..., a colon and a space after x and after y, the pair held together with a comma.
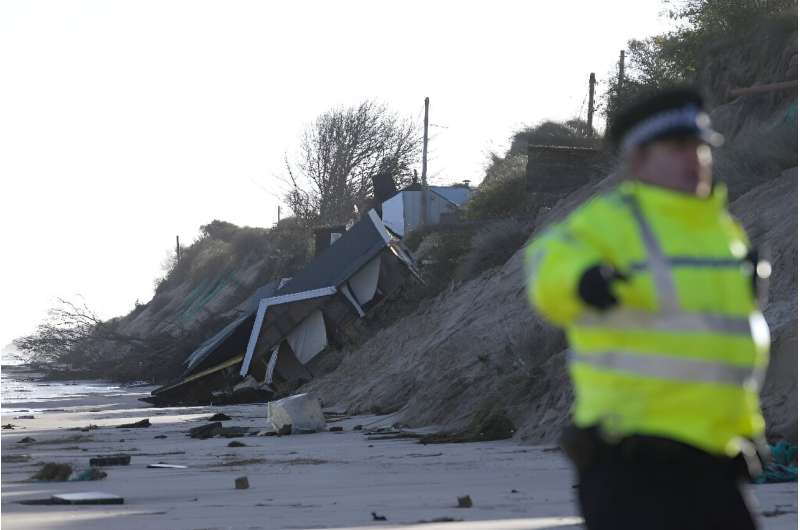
x: 667, y: 113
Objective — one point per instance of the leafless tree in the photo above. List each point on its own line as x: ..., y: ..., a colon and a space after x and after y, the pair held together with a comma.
x: 73, y: 333
x: 340, y: 152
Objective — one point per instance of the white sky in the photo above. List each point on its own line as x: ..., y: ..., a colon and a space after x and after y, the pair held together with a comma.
x: 126, y: 123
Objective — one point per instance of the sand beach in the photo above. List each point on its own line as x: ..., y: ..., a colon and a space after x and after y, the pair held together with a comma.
x: 343, y: 479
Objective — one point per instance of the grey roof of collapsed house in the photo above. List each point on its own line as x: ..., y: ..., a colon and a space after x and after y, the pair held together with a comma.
x: 345, y: 257
x: 331, y: 268
x: 200, y: 356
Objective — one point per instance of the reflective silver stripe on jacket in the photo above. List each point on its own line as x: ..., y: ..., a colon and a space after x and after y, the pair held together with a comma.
x: 693, y: 261
x: 683, y: 321
x: 657, y: 262
x: 669, y: 316
x: 668, y: 367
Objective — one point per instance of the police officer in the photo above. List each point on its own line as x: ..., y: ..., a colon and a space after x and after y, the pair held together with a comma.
x: 653, y: 284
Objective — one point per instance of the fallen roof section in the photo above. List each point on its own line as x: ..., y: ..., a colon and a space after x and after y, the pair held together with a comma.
x: 262, y: 310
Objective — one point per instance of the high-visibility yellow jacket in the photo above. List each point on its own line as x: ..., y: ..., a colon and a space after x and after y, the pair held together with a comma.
x: 683, y: 354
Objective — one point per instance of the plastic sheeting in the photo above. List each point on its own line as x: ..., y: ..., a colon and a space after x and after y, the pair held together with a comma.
x: 309, y: 337
x: 303, y: 412
x: 782, y: 468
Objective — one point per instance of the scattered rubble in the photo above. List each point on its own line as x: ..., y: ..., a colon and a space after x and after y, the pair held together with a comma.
x: 24, y: 418
x: 376, y: 517
x: 111, y: 460
x: 236, y: 444
x: 89, y: 497
x: 219, y: 416
x: 9, y: 426
x: 206, y: 431
x: 26, y: 440
x: 136, y: 425
x: 90, y: 427
x: 465, y: 502
x: 234, y: 432
x: 396, y: 435
x: 163, y: 465
x: 242, y: 483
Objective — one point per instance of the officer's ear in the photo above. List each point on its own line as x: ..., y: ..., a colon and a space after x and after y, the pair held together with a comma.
x: 635, y: 160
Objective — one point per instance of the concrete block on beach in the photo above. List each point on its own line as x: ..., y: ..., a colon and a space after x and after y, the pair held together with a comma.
x: 303, y: 412
x: 242, y: 483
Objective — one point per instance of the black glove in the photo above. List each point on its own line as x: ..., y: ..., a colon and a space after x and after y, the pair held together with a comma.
x: 594, y: 287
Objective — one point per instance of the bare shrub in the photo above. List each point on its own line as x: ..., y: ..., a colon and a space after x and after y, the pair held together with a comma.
x: 339, y: 154
x: 493, y: 245
x: 497, y: 199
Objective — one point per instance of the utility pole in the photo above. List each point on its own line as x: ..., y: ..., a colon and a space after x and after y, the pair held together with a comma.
x: 424, y: 193
x: 621, y: 77
x: 279, y: 213
x: 589, y: 129
x: 177, y: 248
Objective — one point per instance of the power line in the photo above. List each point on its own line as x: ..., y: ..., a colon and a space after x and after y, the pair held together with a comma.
x: 580, y: 110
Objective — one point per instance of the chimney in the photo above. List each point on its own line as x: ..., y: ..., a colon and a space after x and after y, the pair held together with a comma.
x: 326, y: 236
x: 383, y: 188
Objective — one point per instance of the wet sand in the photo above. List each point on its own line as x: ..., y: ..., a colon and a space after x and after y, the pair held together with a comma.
x: 323, y: 480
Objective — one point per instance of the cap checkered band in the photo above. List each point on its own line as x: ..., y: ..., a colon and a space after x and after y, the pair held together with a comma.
x: 687, y: 117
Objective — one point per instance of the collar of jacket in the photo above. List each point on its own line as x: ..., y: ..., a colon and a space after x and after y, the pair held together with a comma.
x: 675, y: 204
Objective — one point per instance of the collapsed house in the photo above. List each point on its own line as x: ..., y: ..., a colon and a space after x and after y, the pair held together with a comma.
x: 285, y: 326
x: 277, y: 340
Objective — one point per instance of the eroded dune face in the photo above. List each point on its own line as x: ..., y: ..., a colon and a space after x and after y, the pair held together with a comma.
x: 477, y: 349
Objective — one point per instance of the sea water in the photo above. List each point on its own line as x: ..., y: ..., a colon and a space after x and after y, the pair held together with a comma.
x: 24, y: 390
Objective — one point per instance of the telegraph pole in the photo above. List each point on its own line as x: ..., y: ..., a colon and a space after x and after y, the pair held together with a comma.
x: 177, y: 248
x: 621, y: 77
x: 589, y: 129
x: 424, y: 193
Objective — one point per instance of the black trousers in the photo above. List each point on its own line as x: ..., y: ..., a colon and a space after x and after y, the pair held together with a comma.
x: 658, y: 484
